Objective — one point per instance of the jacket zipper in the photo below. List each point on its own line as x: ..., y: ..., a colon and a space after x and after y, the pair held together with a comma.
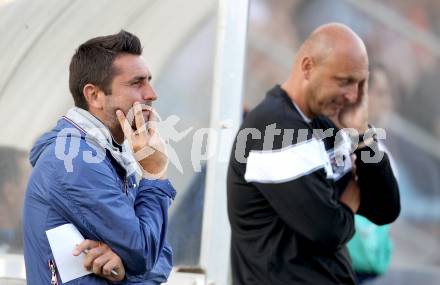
x: 126, y: 186
x: 52, y: 268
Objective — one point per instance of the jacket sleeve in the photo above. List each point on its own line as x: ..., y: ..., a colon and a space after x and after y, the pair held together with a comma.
x: 163, y: 267
x: 92, y: 198
x: 309, y: 207
x: 380, y: 199
x: 291, y: 175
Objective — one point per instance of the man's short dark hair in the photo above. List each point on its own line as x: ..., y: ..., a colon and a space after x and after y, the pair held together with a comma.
x: 92, y: 63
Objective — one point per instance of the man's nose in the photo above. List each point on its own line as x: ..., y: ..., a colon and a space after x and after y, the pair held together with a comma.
x: 149, y: 93
x: 352, y: 94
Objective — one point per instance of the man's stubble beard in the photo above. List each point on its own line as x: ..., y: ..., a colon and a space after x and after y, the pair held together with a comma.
x: 312, y: 92
x: 114, y: 126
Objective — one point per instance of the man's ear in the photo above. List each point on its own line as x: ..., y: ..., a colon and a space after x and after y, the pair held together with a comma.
x: 307, y: 65
x: 93, y: 97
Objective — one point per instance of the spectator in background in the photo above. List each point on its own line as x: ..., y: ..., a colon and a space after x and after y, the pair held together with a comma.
x: 380, y: 100
x: 14, y: 172
x: 371, y: 247
x: 422, y: 107
x: 185, y: 227
x: 417, y: 167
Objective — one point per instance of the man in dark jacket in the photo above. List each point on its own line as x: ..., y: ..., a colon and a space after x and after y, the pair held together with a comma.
x: 294, y: 184
x: 83, y: 174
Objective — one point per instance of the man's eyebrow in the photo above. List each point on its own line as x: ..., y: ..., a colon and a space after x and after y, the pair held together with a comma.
x: 352, y: 77
x: 348, y: 78
x: 140, y: 78
x: 343, y: 76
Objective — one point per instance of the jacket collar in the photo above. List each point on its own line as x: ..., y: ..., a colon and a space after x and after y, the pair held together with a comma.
x: 96, y: 132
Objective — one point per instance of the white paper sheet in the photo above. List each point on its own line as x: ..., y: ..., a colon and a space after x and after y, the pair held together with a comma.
x: 63, y: 240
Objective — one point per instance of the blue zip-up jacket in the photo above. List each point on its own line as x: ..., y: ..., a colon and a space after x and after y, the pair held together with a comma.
x: 102, y: 202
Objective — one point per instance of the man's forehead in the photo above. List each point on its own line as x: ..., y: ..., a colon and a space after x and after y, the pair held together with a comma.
x: 348, y: 66
x: 353, y: 74
x: 129, y: 66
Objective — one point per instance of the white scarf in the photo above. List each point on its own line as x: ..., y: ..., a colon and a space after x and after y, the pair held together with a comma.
x: 100, y: 134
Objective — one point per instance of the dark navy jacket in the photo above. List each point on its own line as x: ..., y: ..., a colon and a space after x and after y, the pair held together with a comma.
x: 284, y: 184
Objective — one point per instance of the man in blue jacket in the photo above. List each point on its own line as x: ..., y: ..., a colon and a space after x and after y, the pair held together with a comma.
x: 84, y: 175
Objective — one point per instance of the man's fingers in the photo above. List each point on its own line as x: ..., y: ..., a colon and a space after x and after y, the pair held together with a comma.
x: 99, y: 262
x: 91, y: 256
x: 110, y: 265
x: 138, y: 116
x: 152, y: 121
x: 113, y: 264
x: 125, y: 125
x: 85, y: 245
x: 353, y: 163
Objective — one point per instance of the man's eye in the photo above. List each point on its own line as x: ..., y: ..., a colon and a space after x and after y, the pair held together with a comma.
x: 347, y: 82
x: 344, y: 82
